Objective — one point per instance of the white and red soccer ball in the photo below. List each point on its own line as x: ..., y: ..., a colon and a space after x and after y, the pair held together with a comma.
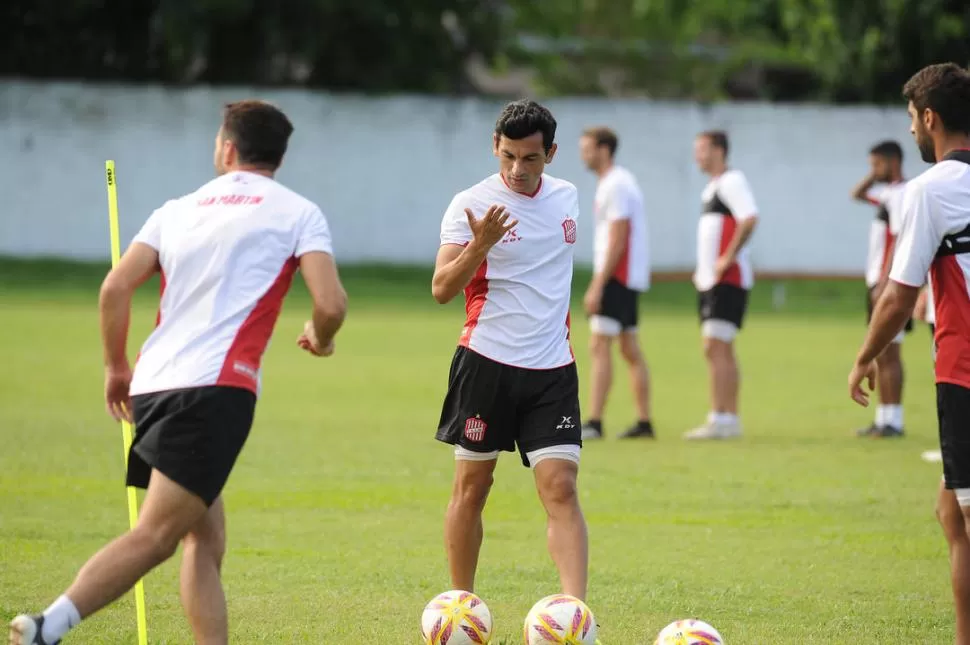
x: 456, y: 618
x: 560, y: 619
x: 689, y: 632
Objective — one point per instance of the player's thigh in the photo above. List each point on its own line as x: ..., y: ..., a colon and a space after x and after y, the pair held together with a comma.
x: 477, y: 415
x: 210, y: 531
x: 953, y: 410
x: 556, y: 479
x: 169, y: 510
x: 549, y: 422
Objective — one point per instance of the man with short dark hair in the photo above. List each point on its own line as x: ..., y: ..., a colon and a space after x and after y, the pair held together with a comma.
x: 883, y: 187
x: 621, y: 271
x: 723, y: 278
x: 935, y: 240
x: 508, y: 243
x: 227, y: 254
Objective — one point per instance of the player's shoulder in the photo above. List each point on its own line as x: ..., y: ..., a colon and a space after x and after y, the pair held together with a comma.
x: 941, y: 177
x: 733, y: 176
x: 555, y: 186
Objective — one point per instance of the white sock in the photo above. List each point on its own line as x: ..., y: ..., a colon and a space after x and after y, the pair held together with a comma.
x: 59, y: 618
x: 880, y: 415
x: 712, y: 417
x: 725, y: 418
x: 894, y: 416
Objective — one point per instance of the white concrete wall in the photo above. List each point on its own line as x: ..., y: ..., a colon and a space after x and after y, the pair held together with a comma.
x: 384, y: 169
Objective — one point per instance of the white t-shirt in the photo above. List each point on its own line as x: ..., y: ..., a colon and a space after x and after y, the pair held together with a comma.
x: 935, y: 239
x: 517, y: 305
x: 228, y: 253
x: 884, y: 228
x: 618, y: 197
x: 726, y: 201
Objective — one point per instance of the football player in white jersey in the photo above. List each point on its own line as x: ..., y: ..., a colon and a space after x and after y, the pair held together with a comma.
x: 935, y: 240
x: 621, y: 272
x: 883, y: 187
x: 227, y: 254
x: 723, y: 278
x: 508, y: 243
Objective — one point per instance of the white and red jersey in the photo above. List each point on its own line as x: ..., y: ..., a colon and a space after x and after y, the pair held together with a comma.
x: 228, y: 253
x: 618, y: 197
x: 884, y: 228
x: 726, y: 202
x: 517, y: 304
x: 936, y: 238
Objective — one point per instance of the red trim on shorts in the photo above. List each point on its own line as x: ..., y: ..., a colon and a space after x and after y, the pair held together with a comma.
x: 952, y: 304
x: 241, y: 365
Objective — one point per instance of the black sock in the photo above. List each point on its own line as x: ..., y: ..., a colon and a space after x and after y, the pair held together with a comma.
x: 595, y: 424
x: 645, y: 425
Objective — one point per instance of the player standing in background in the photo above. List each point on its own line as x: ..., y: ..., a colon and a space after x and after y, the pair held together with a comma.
x: 227, y: 254
x: 508, y: 242
x: 935, y: 238
x: 883, y: 187
x: 621, y: 271
x: 723, y: 278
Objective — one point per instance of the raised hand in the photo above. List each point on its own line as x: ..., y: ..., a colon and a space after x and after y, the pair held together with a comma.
x: 491, y: 228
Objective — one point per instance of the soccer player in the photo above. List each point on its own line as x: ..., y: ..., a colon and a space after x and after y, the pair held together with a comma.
x: 883, y: 187
x: 621, y: 266
x: 227, y: 254
x: 723, y: 278
x: 508, y: 242
x: 935, y: 238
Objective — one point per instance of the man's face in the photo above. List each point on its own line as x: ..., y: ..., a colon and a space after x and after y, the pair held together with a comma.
x: 219, y: 156
x: 706, y: 154
x: 880, y: 168
x: 522, y: 161
x: 592, y: 155
x: 920, y: 126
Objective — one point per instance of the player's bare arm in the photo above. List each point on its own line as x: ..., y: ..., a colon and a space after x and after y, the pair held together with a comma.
x: 136, y: 266
x: 455, y: 265
x: 860, y: 192
x: 891, y: 313
x: 619, y: 233
x: 921, y: 309
x: 741, y: 237
x: 329, y: 302
x: 884, y: 276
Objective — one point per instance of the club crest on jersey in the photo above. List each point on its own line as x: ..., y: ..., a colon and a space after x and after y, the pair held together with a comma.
x: 569, y: 230
x: 475, y: 428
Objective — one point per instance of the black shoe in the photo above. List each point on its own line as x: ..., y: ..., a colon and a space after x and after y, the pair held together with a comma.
x: 868, y: 431
x: 591, y: 431
x: 642, y: 430
x: 888, y: 432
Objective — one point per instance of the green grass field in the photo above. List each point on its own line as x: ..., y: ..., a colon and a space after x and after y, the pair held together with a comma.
x: 798, y: 533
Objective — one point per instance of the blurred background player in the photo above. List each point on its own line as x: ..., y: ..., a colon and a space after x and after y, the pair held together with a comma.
x: 621, y: 272
x: 883, y: 187
x: 723, y: 278
x: 508, y: 242
x: 935, y: 239
x: 227, y: 254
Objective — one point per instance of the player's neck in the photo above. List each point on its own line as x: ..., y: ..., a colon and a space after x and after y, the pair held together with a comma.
x: 256, y: 170
x: 605, y: 170
x: 950, y: 144
x: 718, y: 170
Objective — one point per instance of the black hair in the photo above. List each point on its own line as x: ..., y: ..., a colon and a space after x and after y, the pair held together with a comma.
x: 887, y: 150
x: 945, y: 89
x: 718, y: 138
x: 260, y: 132
x: 523, y: 118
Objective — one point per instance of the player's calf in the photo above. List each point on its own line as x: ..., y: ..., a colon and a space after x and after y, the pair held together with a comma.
x: 567, y: 532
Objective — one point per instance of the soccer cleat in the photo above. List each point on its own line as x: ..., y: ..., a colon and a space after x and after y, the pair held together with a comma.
x: 639, y: 431
x: 888, y: 432
x: 28, y: 630
x: 868, y: 431
x: 591, y: 432
x: 714, y: 431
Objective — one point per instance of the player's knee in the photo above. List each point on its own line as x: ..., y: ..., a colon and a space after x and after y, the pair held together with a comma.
x: 559, y: 489
x: 208, y: 542
x: 599, y: 344
x: 161, y: 544
x: 716, y: 350
x: 952, y: 519
x: 630, y: 349
x: 471, y: 490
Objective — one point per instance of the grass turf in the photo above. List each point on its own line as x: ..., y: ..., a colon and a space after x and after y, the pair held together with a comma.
x: 798, y: 533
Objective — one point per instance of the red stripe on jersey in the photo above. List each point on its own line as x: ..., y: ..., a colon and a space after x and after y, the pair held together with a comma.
x: 569, y: 331
x: 886, y: 245
x: 733, y: 275
x: 476, y: 293
x: 241, y: 366
x: 874, y: 202
x: 622, y: 273
x: 950, y: 295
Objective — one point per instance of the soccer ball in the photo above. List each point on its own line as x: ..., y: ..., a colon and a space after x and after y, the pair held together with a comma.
x: 456, y: 618
x: 560, y: 619
x: 689, y: 632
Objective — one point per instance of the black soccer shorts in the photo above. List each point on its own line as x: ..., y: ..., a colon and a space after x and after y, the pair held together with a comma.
x: 619, y: 304
x: 953, y: 412
x: 492, y: 406
x: 723, y: 302
x: 192, y: 436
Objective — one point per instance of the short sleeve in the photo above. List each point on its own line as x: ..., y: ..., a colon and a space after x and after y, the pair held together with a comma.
x: 315, y: 234
x: 734, y: 191
x: 919, y: 239
x: 894, y: 206
x: 454, y: 224
x: 151, y: 231
x: 619, y: 203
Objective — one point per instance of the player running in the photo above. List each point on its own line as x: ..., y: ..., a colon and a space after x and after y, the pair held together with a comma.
x: 508, y: 242
x: 622, y: 271
x: 723, y: 278
x: 227, y: 254
x: 883, y: 187
x: 935, y: 238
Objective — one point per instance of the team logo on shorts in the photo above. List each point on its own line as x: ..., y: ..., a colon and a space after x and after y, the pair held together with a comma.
x: 475, y: 428
x: 569, y: 230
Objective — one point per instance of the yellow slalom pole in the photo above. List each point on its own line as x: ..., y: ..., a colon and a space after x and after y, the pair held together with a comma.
x: 109, y: 169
